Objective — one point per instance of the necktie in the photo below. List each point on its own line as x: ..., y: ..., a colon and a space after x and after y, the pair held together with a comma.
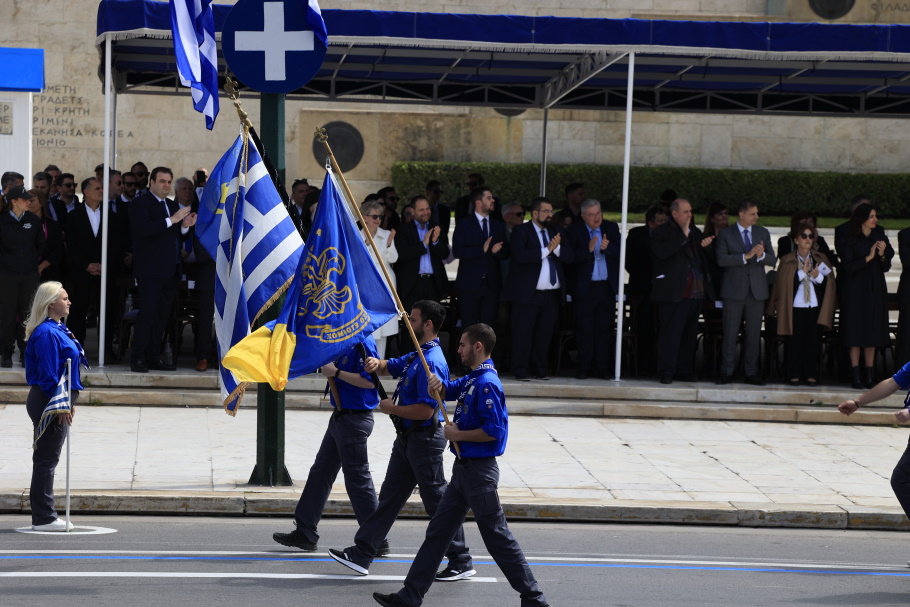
x: 747, y: 241
x: 486, y: 229
x: 550, y: 260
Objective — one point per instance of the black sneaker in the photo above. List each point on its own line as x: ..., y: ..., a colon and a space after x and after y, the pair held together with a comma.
x: 294, y: 539
x: 450, y: 574
x: 384, y: 549
x: 342, y: 557
x: 389, y: 600
x: 6, y: 360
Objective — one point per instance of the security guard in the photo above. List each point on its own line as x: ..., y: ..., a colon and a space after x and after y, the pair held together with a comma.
x: 481, y: 429
x: 418, y: 449
x: 344, y: 447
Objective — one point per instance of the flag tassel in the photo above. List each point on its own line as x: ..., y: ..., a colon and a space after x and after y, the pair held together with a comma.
x: 322, y: 137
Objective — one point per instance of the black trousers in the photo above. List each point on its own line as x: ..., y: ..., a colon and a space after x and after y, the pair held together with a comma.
x: 533, y: 323
x: 474, y: 485
x: 595, y: 317
x: 900, y: 480
x: 801, y: 349
x: 424, y: 288
x: 16, y: 293
x: 416, y: 461
x: 45, y: 457
x: 676, y: 340
x: 344, y: 447
x: 478, y: 305
x: 156, y: 301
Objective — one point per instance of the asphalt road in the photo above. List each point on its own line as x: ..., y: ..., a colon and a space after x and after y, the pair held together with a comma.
x: 222, y: 562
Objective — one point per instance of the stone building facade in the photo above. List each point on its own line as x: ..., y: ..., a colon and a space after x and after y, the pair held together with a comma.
x: 68, y: 119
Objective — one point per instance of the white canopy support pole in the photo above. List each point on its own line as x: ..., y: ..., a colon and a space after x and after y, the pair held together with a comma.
x: 543, y: 153
x: 114, y: 125
x: 627, y: 156
x: 105, y: 200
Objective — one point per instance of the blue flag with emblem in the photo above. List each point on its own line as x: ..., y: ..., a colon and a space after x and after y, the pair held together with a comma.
x: 193, y: 30
x: 211, y: 204
x: 59, y: 403
x: 257, y: 251
x: 337, y: 298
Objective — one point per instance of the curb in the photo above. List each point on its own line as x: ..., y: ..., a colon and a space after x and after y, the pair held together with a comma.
x: 240, y: 503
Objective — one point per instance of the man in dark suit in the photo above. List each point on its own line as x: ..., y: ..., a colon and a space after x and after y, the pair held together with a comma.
x: 65, y: 201
x: 464, y: 204
x: 84, y: 243
x: 536, y: 288
x: 639, y: 266
x: 594, y: 282
x: 680, y: 283
x: 903, y: 298
x: 480, y: 244
x: 744, y: 251
x: 422, y: 247
x: 571, y: 210
x: 157, y: 226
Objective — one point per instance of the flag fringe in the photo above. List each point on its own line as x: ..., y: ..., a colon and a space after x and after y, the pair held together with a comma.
x: 236, y: 394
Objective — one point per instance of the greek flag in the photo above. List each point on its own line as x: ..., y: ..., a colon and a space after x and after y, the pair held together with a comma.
x: 257, y: 253
x: 59, y: 403
x: 193, y: 29
x: 314, y: 20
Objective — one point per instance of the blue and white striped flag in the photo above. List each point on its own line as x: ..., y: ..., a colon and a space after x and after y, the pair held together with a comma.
x: 193, y: 29
x: 316, y: 23
x: 258, y: 252
x: 59, y: 403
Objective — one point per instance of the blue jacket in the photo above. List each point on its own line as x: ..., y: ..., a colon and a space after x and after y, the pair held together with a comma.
x: 413, y: 381
x: 581, y: 270
x: 524, y: 268
x: 473, y: 263
x: 355, y: 397
x: 46, y: 352
x: 481, y: 404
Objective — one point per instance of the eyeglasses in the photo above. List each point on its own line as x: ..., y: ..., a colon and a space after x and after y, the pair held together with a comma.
x: 68, y: 185
x: 376, y: 217
x: 130, y: 184
x: 545, y: 211
x: 807, y: 236
x: 517, y: 213
x: 392, y: 198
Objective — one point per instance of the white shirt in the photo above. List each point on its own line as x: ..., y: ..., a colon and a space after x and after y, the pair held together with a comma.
x: 543, y: 281
x: 742, y: 232
x: 799, y: 300
x: 94, y: 218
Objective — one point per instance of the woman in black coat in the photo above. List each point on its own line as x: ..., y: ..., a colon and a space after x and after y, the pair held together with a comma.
x: 864, y: 309
x: 21, y: 245
x: 50, y: 264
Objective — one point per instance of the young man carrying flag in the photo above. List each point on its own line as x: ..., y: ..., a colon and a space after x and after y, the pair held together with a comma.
x: 481, y: 428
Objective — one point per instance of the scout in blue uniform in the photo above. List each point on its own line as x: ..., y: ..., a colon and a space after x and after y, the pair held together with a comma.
x: 417, y: 452
x: 344, y: 447
x: 481, y: 429
x: 900, y: 478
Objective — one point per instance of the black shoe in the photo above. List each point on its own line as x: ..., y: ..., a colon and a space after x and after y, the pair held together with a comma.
x: 384, y: 548
x: 857, y: 382
x: 388, y: 600
x: 723, y: 381
x: 294, y: 539
x: 540, y: 377
x: 160, y: 365
x: 665, y: 379
x: 342, y: 557
x: 139, y: 367
x: 754, y: 380
x: 6, y: 360
x: 581, y: 375
x: 450, y: 574
x: 812, y: 383
x: 868, y: 379
x: 793, y: 382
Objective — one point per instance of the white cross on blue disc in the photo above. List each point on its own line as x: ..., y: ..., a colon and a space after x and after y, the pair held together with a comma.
x: 268, y: 45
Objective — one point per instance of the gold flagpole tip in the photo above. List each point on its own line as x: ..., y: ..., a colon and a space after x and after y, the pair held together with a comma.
x: 320, y: 135
x: 233, y: 91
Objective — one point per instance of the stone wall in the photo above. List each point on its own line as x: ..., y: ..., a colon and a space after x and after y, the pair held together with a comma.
x: 161, y: 129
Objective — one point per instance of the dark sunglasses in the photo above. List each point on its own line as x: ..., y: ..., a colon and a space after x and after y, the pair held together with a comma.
x: 392, y: 198
x: 807, y: 236
x: 517, y: 213
x: 68, y: 185
x: 374, y: 216
x: 140, y: 173
x: 130, y: 184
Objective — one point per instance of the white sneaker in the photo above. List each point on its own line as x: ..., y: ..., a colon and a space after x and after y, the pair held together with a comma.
x: 56, y: 525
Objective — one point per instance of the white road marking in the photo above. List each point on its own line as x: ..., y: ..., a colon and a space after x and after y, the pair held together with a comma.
x: 230, y: 575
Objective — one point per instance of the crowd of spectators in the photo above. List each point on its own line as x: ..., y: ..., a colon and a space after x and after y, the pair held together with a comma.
x: 546, y: 276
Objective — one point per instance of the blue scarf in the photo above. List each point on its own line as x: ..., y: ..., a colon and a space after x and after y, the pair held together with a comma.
x: 434, y: 343
x: 82, y: 360
x: 486, y: 367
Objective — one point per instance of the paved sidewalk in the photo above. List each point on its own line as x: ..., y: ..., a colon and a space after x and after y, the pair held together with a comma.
x: 197, y: 460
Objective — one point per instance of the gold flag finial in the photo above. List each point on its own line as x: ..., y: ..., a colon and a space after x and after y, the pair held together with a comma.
x: 233, y: 92
x: 320, y: 135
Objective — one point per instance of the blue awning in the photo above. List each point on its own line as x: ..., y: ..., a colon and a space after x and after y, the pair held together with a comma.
x: 564, y: 62
x: 23, y: 69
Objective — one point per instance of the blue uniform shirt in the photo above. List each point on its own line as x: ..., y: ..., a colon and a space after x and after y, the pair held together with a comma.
x: 481, y: 404
x: 902, y: 377
x: 355, y: 397
x: 413, y: 381
x: 46, y: 352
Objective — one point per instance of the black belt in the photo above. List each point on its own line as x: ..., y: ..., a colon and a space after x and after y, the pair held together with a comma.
x: 340, y: 412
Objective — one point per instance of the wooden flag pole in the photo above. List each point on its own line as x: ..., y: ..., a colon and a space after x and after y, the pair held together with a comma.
x: 323, y: 138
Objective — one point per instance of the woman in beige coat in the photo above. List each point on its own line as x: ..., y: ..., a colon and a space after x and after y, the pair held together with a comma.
x: 803, y: 300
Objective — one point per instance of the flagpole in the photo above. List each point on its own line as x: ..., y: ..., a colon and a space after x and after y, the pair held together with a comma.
x: 69, y: 383
x: 323, y: 138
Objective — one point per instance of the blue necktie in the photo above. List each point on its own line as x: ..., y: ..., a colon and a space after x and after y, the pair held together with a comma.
x: 486, y: 230
x: 747, y: 240
x: 550, y: 260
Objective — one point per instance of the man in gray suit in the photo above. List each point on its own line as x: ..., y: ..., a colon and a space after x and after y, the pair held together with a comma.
x: 743, y: 251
